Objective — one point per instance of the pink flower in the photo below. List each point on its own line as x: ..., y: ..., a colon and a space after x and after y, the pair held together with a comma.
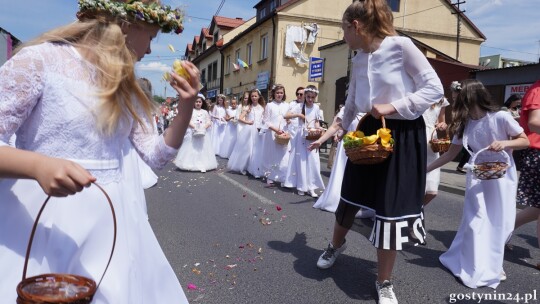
x: 278, y: 207
x: 192, y: 287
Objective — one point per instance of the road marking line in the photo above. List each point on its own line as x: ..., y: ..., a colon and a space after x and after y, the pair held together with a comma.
x: 261, y: 198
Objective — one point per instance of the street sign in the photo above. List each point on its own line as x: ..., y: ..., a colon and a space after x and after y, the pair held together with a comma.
x: 316, y: 68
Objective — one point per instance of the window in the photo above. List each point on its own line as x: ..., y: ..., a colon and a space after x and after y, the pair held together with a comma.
x: 394, y: 5
x: 228, y: 65
x: 214, y: 70
x: 203, y: 76
x: 210, y: 72
x: 237, y: 55
x: 262, y: 13
x: 272, y: 5
x: 264, y: 45
x: 216, y: 36
x: 248, y: 54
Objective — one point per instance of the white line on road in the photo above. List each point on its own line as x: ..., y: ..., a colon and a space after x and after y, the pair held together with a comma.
x: 263, y: 199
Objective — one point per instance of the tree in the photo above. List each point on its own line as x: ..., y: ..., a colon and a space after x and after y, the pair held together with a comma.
x: 159, y: 99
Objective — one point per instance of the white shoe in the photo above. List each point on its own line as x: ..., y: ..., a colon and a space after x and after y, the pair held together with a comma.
x: 385, y: 290
x: 302, y: 193
x: 503, y: 276
x: 203, y: 171
x: 328, y: 258
x: 313, y: 194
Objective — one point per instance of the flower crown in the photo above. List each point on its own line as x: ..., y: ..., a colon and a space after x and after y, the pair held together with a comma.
x: 313, y: 90
x: 165, y: 17
x: 456, y: 86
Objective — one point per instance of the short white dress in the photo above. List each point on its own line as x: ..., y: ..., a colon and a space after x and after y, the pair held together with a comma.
x: 431, y: 116
x: 49, y: 100
x: 489, y: 211
x: 196, y: 152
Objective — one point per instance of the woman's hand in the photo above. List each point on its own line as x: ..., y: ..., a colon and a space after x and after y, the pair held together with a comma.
x: 379, y: 110
x: 314, y: 145
x: 279, y: 132
x: 60, y: 177
x: 187, y: 89
x: 441, y: 126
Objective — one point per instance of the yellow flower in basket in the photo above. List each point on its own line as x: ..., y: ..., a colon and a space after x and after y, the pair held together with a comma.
x: 369, y: 140
x: 359, y: 134
x: 386, y: 137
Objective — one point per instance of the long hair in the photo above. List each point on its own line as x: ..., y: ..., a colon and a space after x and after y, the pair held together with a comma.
x: 471, y: 93
x: 376, y: 16
x: 225, y: 103
x: 101, y: 38
x: 261, y: 101
x: 278, y: 87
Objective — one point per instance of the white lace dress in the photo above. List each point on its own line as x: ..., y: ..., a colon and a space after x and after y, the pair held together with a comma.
x: 47, y: 96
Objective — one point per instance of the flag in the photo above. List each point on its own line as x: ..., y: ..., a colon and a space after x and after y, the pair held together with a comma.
x: 236, y: 67
x: 242, y: 63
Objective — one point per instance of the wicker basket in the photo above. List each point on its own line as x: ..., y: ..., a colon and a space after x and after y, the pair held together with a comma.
x: 199, y: 132
x: 489, y: 169
x: 369, y: 154
x: 313, y: 133
x: 54, y: 288
x: 282, y: 139
x: 439, y: 144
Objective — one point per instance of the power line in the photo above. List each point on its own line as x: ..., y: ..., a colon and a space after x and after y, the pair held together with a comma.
x: 219, y: 8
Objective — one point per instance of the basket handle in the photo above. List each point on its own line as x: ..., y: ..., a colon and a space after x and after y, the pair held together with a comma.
x: 473, y: 159
x: 364, y: 118
x: 435, y: 130
x: 37, y: 221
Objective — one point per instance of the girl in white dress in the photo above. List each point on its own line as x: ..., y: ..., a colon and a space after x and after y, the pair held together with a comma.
x: 248, y: 133
x: 196, y: 153
x: 218, y: 114
x: 477, y: 252
x: 276, y: 156
x: 304, y: 170
x: 329, y: 199
x: 434, y: 118
x: 73, y: 100
x: 258, y: 104
x: 229, y: 139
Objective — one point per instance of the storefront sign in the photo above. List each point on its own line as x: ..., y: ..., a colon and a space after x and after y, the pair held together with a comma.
x: 520, y: 89
x: 262, y: 80
x: 211, y: 93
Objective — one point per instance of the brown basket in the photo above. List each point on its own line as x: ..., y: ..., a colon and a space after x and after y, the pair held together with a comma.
x: 369, y: 154
x: 282, y: 139
x: 55, y: 288
x: 490, y: 169
x: 313, y: 134
x: 439, y: 144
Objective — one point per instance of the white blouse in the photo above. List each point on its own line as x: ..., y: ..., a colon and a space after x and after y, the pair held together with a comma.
x: 396, y: 73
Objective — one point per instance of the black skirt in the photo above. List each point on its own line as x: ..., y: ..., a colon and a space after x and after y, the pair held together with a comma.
x: 393, y: 189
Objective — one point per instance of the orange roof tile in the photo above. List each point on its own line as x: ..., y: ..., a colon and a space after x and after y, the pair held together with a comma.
x: 228, y: 22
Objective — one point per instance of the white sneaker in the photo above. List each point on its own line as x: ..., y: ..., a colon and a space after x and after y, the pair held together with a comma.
x: 385, y: 290
x: 302, y: 193
x: 328, y: 258
x: 503, y: 276
x: 313, y: 194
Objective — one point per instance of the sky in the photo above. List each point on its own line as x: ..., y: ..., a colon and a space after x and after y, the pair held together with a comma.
x: 511, y: 27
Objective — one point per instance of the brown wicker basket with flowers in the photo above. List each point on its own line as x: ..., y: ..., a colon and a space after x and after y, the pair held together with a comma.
x: 368, y: 150
x: 56, y: 288
x: 439, y: 144
x: 283, y: 138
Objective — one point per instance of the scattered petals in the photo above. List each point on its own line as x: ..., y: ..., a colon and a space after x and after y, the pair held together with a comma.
x: 278, y: 207
x: 192, y: 286
x: 231, y: 266
x: 196, y: 271
x: 171, y: 48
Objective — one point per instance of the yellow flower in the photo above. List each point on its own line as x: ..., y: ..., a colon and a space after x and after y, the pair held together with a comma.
x: 359, y: 134
x: 369, y: 140
x: 179, y: 69
x: 385, y: 136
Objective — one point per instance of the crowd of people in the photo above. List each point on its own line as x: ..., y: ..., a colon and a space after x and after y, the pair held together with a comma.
x: 81, y: 117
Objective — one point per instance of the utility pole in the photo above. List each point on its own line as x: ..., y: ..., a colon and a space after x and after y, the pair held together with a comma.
x: 458, y: 31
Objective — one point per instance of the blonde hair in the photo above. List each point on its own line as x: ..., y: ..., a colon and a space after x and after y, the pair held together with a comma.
x: 376, y: 16
x: 100, y: 36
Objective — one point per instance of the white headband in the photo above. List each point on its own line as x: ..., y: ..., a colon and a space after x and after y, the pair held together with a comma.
x: 311, y: 90
x: 200, y: 95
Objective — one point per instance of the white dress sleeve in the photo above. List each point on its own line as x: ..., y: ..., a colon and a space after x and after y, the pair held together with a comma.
x: 150, y: 145
x: 21, y: 86
x: 429, y: 89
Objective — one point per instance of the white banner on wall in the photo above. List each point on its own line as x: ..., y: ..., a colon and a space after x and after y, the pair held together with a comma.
x: 520, y: 89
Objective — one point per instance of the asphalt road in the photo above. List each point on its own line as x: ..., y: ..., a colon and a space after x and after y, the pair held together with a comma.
x: 232, y: 240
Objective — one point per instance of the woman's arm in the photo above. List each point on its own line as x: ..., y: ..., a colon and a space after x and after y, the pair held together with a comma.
x: 534, y: 121
x: 333, y: 129
x: 242, y: 118
x: 518, y: 142
x: 447, y: 157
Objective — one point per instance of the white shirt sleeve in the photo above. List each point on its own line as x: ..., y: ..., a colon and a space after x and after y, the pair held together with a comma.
x: 349, y: 110
x: 429, y: 89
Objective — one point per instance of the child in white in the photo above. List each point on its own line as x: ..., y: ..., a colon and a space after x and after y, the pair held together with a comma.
x: 256, y: 160
x: 477, y: 252
x: 249, y: 119
x: 218, y: 122
x: 229, y: 139
x: 276, y: 156
x: 304, y: 170
x: 196, y: 153
x: 434, y: 118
